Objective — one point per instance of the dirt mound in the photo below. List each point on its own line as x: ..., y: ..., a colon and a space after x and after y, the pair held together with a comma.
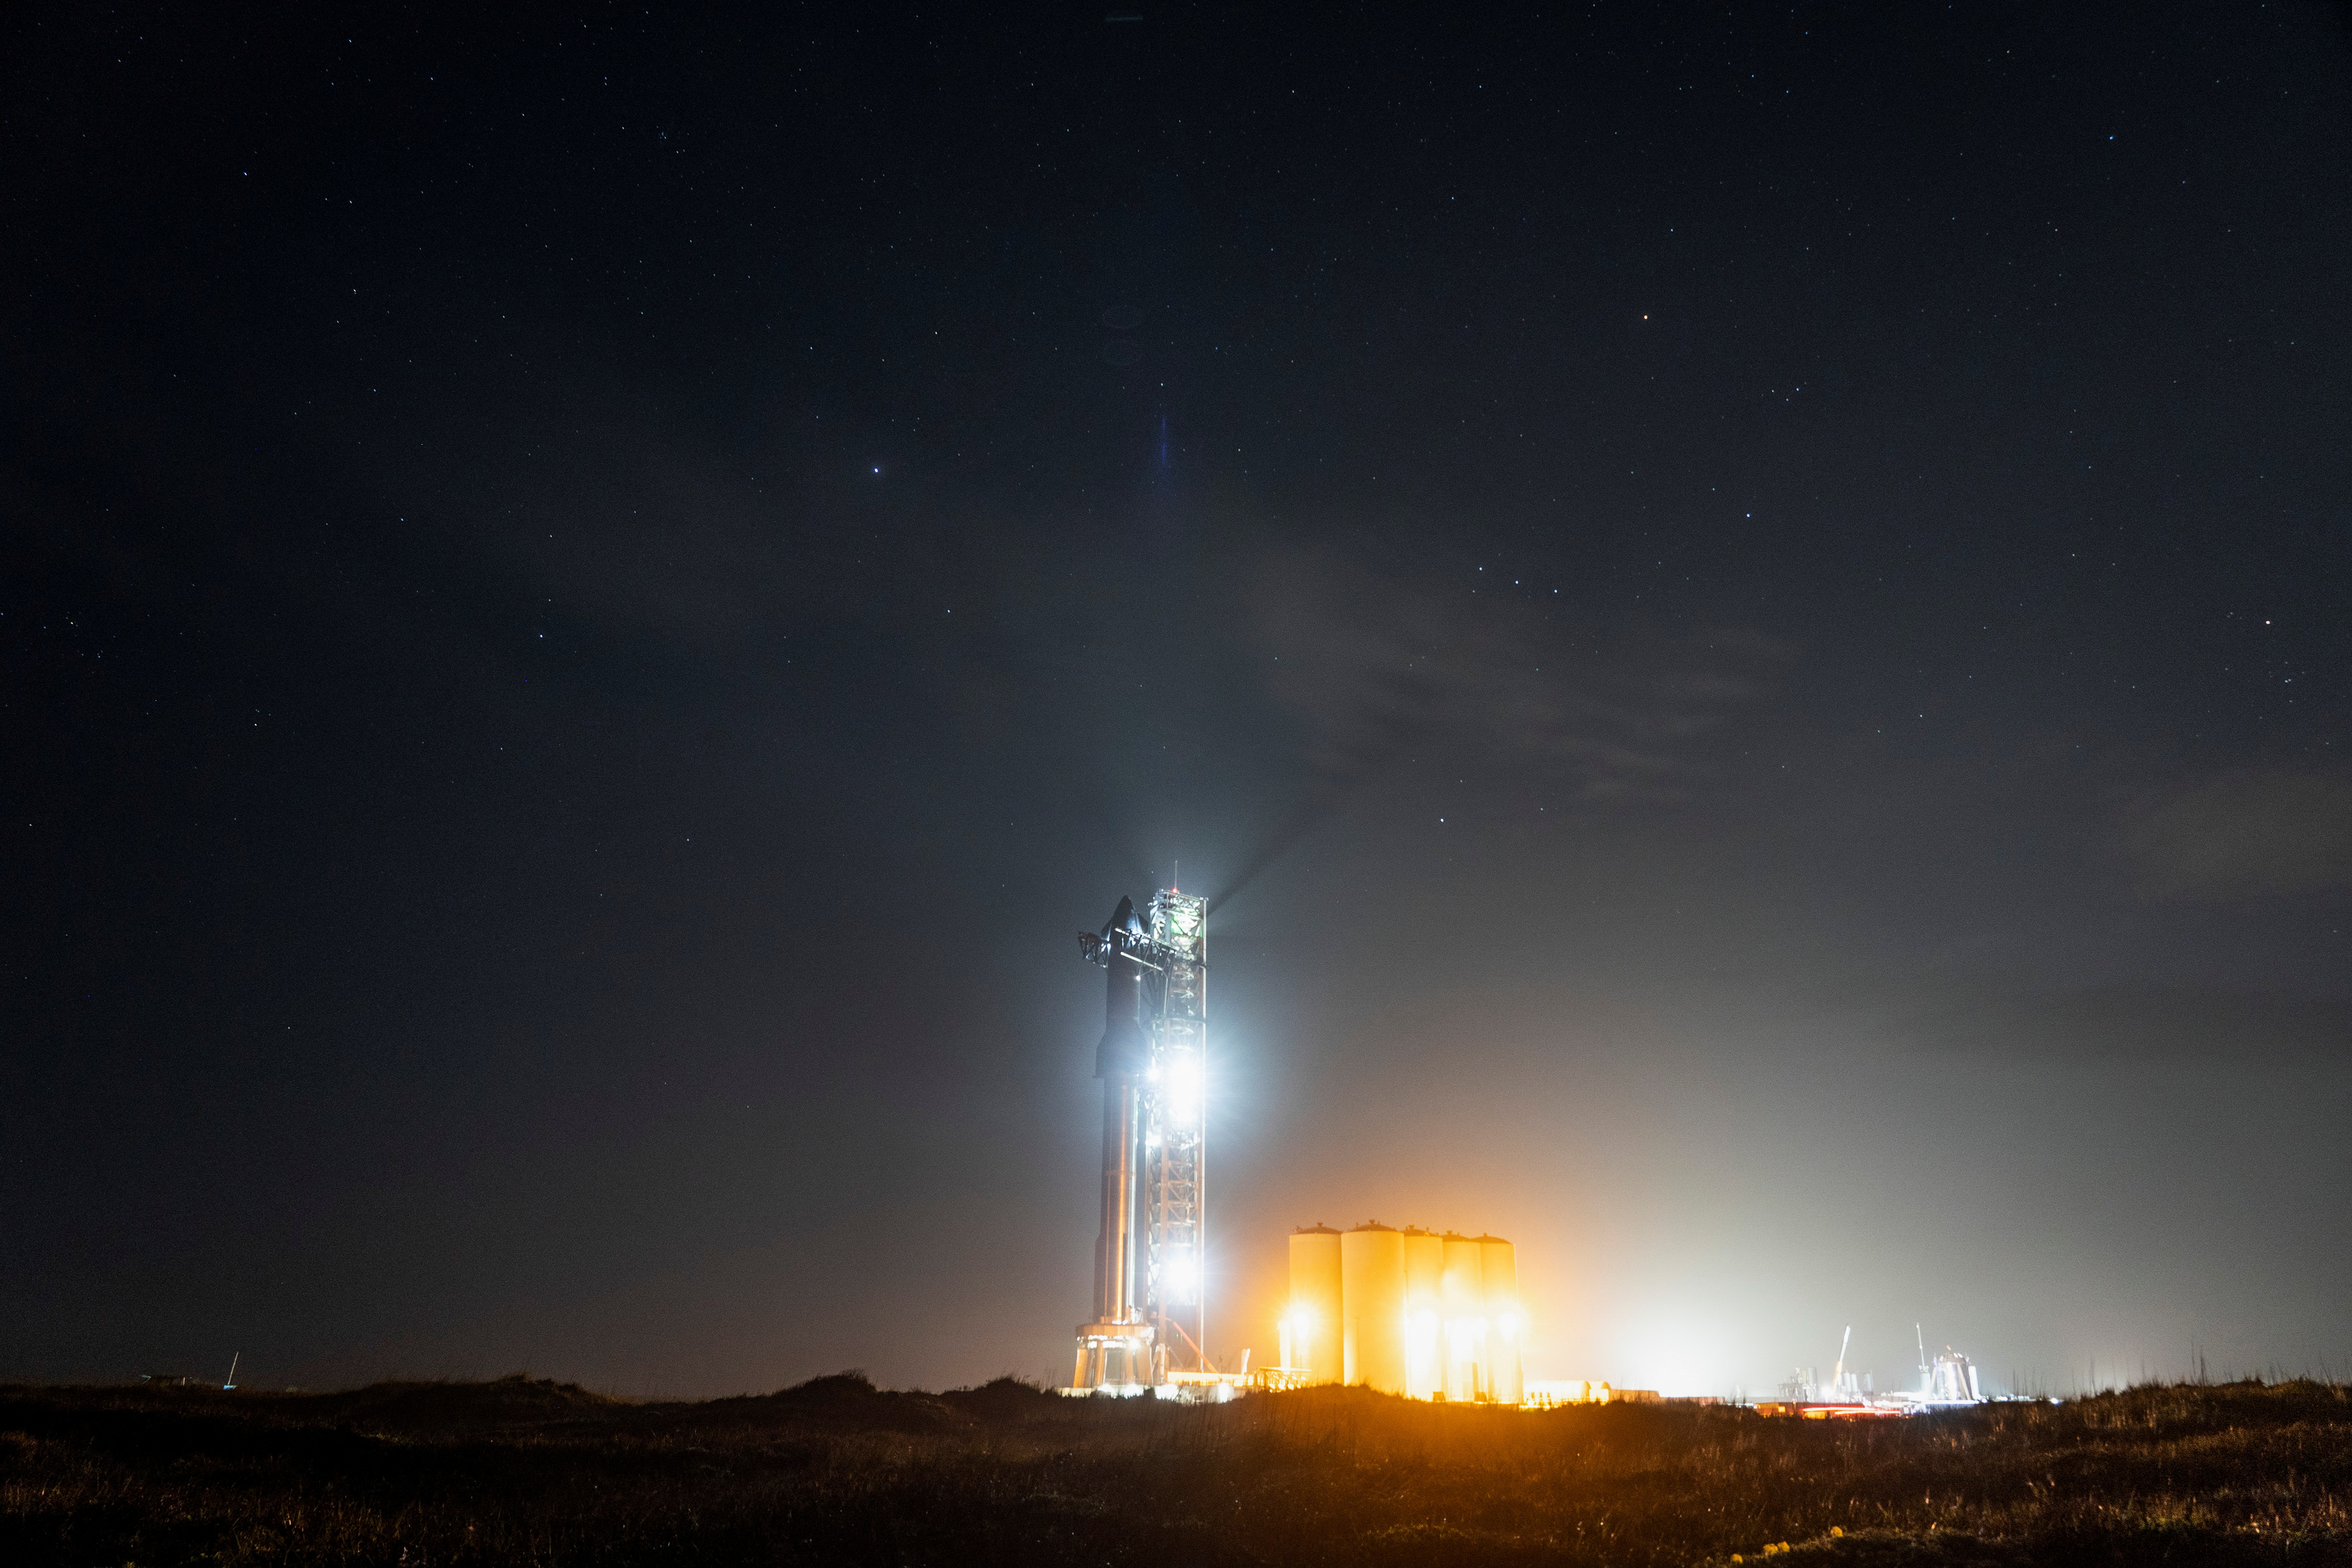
x: 427, y: 1408
x: 839, y: 1403
x: 1004, y: 1399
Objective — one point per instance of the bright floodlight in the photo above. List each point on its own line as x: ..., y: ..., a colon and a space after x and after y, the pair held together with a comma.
x: 1185, y: 1086
x: 1181, y: 1278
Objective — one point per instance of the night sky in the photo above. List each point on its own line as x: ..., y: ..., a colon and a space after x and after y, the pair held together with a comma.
x: 1744, y: 610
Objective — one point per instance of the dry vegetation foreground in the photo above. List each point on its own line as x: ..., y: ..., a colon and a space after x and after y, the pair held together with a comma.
x: 835, y: 1471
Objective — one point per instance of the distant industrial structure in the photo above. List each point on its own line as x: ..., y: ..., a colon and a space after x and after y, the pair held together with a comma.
x: 1416, y: 1312
x: 1950, y: 1380
x: 1425, y: 1314
x: 1430, y: 1315
x: 1548, y: 1393
x: 1150, y: 1316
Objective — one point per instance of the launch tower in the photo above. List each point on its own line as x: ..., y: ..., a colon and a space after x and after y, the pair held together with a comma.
x: 1150, y: 1309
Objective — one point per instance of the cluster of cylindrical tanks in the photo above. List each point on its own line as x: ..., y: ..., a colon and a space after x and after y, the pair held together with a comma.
x: 1416, y: 1312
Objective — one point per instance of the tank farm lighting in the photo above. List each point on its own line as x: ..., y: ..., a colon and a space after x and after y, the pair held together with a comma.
x: 1150, y: 1314
x: 1409, y: 1311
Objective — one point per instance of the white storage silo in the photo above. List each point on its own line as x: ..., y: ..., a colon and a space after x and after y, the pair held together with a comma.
x: 1372, y: 1303
x: 1312, y: 1322
x: 1424, y: 1340
x: 1507, y: 1321
x: 1462, y: 1313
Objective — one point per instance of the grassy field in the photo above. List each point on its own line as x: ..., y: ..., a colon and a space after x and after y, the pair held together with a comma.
x: 520, y: 1471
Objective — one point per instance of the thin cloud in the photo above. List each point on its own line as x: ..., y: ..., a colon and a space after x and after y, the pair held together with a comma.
x: 2245, y: 835
x: 1380, y: 668
x: 1382, y: 671
x: 2126, y: 1023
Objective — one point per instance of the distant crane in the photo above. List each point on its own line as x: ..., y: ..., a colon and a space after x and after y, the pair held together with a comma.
x: 230, y: 1386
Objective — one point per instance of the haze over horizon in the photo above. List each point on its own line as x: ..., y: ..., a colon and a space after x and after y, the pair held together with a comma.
x: 1746, y: 615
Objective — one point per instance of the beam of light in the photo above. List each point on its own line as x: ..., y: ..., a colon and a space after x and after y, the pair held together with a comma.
x: 1184, y: 1091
